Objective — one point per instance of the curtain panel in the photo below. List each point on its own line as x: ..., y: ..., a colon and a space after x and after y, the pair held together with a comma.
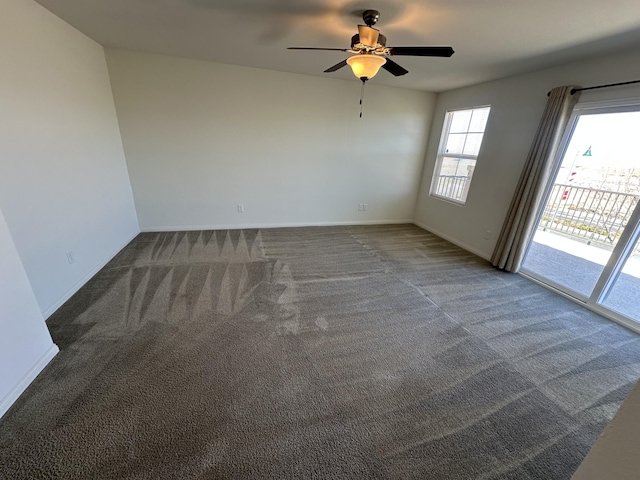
x: 519, y: 223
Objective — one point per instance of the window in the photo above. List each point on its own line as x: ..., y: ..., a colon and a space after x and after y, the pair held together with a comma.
x: 458, y: 152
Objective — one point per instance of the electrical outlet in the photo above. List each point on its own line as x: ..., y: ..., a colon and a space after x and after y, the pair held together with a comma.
x: 487, y: 234
x: 240, y: 208
x: 70, y: 257
x: 360, y: 207
x: 364, y: 207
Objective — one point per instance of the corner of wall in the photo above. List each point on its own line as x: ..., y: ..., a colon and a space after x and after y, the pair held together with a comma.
x: 425, y: 172
x: 10, y: 398
x: 484, y: 255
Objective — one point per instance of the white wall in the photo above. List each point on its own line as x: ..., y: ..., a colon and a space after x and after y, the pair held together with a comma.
x: 25, y: 344
x: 615, y: 453
x: 63, y: 179
x: 516, y: 106
x: 201, y: 138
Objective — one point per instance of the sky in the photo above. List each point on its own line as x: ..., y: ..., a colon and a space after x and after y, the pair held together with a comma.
x: 614, y: 139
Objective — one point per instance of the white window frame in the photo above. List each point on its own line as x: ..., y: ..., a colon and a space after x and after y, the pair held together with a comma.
x: 442, y: 154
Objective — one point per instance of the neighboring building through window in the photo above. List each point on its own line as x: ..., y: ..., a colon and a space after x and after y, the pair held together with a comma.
x: 458, y: 152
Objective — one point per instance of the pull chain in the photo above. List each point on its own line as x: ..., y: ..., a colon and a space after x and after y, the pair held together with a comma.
x: 364, y: 80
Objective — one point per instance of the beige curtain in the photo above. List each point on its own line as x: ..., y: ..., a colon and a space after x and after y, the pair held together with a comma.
x: 519, y: 224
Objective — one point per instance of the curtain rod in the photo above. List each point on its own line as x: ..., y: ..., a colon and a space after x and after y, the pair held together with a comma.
x: 575, y: 90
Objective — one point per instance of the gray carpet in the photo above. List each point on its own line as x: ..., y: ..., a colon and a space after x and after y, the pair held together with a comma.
x: 333, y: 352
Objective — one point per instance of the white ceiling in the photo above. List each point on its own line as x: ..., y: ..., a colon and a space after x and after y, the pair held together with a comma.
x: 492, y: 38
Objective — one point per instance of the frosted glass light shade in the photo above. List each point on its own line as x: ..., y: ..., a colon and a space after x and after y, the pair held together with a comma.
x: 366, y: 66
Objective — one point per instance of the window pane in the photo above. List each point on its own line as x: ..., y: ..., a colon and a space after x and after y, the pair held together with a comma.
x: 479, y: 119
x: 472, y: 145
x: 455, y: 176
x: 455, y: 143
x: 460, y: 121
x: 456, y: 166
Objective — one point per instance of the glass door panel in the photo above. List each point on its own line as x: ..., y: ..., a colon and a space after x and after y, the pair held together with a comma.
x: 567, y: 262
x: 590, y: 222
x: 624, y: 294
x: 593, y: 196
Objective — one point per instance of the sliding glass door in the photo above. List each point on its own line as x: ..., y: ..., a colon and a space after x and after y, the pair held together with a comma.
x: 587, y: 239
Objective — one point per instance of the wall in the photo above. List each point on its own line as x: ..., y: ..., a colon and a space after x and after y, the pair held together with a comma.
x: 63, y: 180
x: 615, y: 453
x: 517, y: 104
x: 25, y: 344
x: 201, y: 138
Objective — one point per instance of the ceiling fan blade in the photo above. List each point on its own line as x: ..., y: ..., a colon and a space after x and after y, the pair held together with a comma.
x: 317, y: 48
x: 368, y: 35
x: 394, y: 69
x: 337, y: 66
x: 422, y: 51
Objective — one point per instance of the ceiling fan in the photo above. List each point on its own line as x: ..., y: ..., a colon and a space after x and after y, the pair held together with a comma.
x: 371, y: 51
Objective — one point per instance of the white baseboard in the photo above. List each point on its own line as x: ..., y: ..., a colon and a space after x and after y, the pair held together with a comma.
x: 468, y: 248
x: 237, y: 226
x: 10, y: 398
x: 49, y: 311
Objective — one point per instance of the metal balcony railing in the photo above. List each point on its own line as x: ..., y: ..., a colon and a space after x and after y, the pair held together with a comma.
x: 597, y: 216
x: 451, y: 186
